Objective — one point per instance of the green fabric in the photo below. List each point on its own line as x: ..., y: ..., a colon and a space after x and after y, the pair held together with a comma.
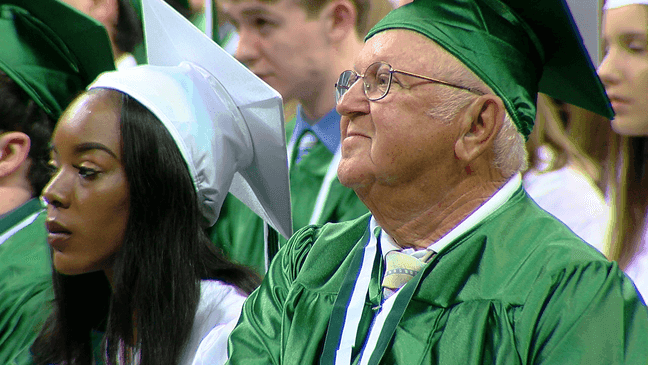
x: 51, y: 50
x: 343, y: 298
x: 239, y: 231
x: 25, y: 284
x: 517, y: 47
x: 519, y: 288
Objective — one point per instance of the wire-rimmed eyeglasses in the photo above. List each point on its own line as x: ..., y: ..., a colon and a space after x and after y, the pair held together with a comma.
x: 377, y: 80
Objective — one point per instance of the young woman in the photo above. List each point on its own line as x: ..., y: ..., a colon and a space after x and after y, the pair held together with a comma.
x: 624, y: 72
x: 136, y: 279
x: 561, y: 177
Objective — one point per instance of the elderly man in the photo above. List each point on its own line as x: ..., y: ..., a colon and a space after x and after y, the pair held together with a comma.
x: 299, y: 48
x: 433, y: 125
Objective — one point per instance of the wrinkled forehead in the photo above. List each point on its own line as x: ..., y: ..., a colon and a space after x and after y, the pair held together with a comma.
x: 408, y: 50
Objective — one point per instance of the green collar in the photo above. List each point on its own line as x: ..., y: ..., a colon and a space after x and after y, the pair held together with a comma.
x: 19, y: 214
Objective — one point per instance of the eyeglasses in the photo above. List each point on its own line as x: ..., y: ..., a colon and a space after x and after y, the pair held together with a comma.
x: 377, y: 81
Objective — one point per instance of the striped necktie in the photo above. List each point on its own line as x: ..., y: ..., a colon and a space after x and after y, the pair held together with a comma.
x: 401, y: 268
x: 306, y: 142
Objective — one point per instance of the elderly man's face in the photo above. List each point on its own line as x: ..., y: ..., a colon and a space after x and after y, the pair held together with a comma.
x: 394, y: 141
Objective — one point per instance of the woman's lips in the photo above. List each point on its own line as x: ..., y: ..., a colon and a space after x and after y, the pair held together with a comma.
x: 57, y: 234
x: 619, y: 103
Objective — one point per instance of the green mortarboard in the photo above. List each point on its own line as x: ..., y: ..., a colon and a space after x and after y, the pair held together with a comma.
x: 517, y: 47
x: 51, y: 50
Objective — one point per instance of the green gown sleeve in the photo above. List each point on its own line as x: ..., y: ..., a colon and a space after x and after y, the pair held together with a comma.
x: 587, y: 314
x: 25, y: 291
x: 256, y: 338
x: 519, y: 288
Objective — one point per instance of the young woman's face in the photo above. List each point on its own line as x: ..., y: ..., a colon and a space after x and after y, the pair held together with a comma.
x: 624, y: 70
x: 88, y: 196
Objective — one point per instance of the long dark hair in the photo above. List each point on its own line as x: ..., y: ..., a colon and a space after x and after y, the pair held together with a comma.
x: 157, y: 272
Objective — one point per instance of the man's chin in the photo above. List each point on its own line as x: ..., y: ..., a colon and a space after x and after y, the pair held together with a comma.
x: 353, y: 175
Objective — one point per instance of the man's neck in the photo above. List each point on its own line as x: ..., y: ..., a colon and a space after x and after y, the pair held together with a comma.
x: 414, y: 218
x: 12, y: 197
x: 314, y: 110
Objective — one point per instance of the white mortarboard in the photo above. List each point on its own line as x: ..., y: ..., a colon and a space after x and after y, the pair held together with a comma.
x: 227, y: 123
x: 611, y: 4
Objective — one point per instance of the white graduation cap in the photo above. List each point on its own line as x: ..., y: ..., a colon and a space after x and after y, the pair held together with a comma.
x: 228, y: 123
x: 611, y: 4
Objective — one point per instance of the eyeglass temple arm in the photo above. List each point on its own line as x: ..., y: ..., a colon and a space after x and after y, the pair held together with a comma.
x: 474, y: 91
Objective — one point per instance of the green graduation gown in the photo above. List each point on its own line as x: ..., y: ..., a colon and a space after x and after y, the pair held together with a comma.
x: 239, y: 231
x: 25, y: 283
x: 518, y: 288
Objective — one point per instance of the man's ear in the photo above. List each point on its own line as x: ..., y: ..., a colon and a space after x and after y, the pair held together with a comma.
x: 340, y: 18
x: 480, y: 122
x: 14, y: 151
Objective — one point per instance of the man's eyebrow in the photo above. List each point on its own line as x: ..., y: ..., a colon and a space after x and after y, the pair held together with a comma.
x: 255, y: 11
x: 632, y: 35
x: 89, y: 146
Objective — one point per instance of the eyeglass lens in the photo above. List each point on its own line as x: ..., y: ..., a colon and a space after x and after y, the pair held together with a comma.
x: 346, y: 80
x: 376, y: 81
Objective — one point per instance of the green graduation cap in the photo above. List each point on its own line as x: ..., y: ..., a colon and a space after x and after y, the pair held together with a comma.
x: 51, y: 50
x: 517, y: 47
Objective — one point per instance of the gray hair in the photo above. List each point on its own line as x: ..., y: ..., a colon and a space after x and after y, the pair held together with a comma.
x: 509, y: 147
x: 510, y: 150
